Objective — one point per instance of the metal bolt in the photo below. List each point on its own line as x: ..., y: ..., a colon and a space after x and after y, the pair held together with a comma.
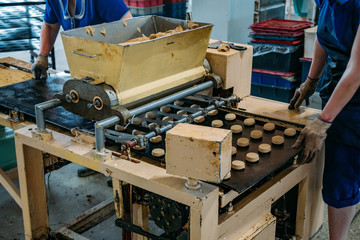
x: 68, y: 98
x: 107, y: 172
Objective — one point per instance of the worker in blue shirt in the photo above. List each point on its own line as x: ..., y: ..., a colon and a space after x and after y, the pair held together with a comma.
x: 337, y: 61
x: 73, y: 14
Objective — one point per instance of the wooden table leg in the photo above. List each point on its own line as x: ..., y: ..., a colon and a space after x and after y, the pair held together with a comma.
x: 33, y: 193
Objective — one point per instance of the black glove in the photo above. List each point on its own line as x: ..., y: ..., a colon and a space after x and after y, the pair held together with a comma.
x: 40, y: 66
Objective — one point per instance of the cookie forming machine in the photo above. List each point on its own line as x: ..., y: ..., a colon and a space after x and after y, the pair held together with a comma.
x: 191, y: 191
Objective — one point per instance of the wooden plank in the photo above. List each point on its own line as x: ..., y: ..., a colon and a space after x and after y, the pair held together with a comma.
x: 16, y: 62
x: 92, y: 217
x: 140, y: 217
x: 9, y: 186
x: 118, y: 196
x: 33, y: 193
x: 10, y: 76
x: 64, y: 233
x: 277, y: 110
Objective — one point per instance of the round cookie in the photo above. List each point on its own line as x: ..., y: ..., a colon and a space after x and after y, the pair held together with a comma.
x: 256, y: 134
x: 264, y: 148
x: 137, y: 121
x: 165, y: 109
x: 150, y: 115
x: 137, y: 132
x: 249, y: 122
x: 152, y: 125
x: 243, y: 142
x: 237, y: 165
x: 217, y: 123
x: 158, y: 152
x: 156, y: 139
x: 227, y: 176
x: 137, y: 147
x: 236, y: 128
x: 252, y: 157
x: 213, y: 112
x: 181, y: 112
x: 194, y: 106
x: 119, y: 128
x: 167, y: 118
x: 269, y: 127
x: 277, y: 140
x: 230, y: 117
x: 233, y: 150
x: 199, y: 119
x: 290, y: 132
x: 178, y: 103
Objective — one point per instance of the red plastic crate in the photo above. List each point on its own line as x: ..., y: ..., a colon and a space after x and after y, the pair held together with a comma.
x: 279, y: 34
x: 281, y: 24
x: 143, y: 3
x: 277, y: 41
x: 173, y: 1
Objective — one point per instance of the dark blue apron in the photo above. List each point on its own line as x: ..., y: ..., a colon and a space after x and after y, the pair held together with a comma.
x: 346, y: 126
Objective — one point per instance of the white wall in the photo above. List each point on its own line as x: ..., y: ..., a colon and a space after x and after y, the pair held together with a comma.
x: 230, y: 17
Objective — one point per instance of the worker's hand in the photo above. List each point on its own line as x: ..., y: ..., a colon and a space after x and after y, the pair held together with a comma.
x: 313, y: 136
x: 40, y: 66
x: 304, y: 92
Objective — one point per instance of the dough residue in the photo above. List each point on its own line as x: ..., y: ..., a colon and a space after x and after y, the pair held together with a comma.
x: 103, y: 32
x: 90, y: 30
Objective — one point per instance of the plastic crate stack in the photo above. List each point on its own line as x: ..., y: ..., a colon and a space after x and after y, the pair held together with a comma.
x: 278, y: 45
x: 175, y: 8
x: 145, y: 7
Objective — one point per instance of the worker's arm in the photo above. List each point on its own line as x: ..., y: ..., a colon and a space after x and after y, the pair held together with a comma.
x: 319, y: 61
x: 347, y: 86
x: 314, y: 134
x: 48, y: 36
x: 309, y: 86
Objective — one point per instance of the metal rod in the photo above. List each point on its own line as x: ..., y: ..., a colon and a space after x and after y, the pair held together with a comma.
x: 184, y: 120
x: 100, y: 131
x: 39, y: 112
x: 158, y: 103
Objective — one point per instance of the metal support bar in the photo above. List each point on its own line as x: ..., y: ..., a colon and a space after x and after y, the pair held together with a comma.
x: 158, y: 103
x: 100, y: 131
x: 214, y: 105
x: 39, y: 112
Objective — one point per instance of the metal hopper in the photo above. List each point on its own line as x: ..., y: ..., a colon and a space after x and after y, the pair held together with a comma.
x: 136, y: 72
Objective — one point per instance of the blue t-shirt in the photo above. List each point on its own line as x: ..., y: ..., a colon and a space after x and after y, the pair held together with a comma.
x: 87, y: 12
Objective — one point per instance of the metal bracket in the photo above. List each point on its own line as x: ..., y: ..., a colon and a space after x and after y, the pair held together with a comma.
x: 40, y: 110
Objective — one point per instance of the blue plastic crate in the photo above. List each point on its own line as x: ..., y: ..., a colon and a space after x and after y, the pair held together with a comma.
x: 271, y: 92
x: 181, y: 14
x: 273, y: 80
x: 277, y: 38
x: 175, y: 6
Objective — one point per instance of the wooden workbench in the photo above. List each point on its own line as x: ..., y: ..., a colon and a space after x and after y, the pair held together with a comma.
x: 250, y: 218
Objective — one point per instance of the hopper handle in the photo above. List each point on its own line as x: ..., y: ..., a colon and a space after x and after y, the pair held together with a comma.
x: 84, y: 55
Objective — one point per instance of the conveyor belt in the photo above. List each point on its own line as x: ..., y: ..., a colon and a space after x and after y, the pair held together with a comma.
x: 24, y: 96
